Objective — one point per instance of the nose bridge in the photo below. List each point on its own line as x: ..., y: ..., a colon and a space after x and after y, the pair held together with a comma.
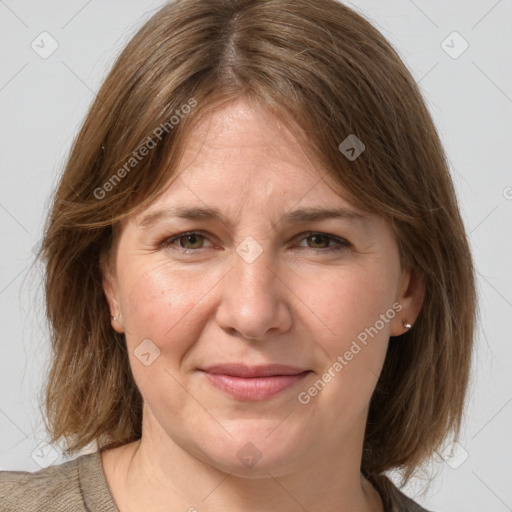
x: 251, y: 302
x: 253, y: 273
x: 253, y: 265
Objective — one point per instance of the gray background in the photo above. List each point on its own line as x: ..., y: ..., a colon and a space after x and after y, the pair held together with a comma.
x: 43, y: 101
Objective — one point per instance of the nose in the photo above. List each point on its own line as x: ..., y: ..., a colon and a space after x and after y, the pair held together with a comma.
x: 254, y: 302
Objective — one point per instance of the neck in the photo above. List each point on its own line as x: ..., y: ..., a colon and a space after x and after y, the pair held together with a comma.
x: 157, y: 472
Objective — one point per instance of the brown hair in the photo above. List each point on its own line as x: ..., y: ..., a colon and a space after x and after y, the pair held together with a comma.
x: 326, y: 71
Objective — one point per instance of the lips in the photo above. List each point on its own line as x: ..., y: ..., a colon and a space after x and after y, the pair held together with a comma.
x: 253, y: 383
x: 244, y: 371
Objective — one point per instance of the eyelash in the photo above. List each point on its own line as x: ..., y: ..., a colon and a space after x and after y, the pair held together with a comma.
x: 343, y: 244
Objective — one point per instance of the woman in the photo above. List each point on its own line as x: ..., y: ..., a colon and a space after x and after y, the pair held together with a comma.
x: 219, y: 358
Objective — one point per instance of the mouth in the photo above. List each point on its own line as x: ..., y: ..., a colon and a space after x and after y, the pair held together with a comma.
x: 253, y: 383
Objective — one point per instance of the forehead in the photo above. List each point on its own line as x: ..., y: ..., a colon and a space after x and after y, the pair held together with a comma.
x: 241, y: 156
x: 248, y: 137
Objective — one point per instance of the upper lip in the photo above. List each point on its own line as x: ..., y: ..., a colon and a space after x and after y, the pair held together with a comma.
x: 242, y: 370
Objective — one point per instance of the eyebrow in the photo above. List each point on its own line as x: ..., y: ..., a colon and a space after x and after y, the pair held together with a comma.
x: 212, y: 214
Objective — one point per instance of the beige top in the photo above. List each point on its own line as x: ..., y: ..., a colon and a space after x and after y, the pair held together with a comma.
x: 80, y: 485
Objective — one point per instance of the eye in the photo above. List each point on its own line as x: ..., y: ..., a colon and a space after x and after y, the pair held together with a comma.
x: 190, y: 241
x: 194, y: 240
x: 322, y: 238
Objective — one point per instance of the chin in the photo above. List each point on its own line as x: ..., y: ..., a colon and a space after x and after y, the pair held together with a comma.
x: 255, y: 451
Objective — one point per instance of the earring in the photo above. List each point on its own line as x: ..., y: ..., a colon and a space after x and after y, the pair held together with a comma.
x: 405, y: 324
x: 114, y: 318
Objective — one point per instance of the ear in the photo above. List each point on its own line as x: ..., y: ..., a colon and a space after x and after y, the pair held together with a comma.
x: 410, y: 295
x: 111, y: 290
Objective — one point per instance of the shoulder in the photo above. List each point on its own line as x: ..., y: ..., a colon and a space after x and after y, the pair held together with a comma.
x: 55, y: 488
x: 395, y: 500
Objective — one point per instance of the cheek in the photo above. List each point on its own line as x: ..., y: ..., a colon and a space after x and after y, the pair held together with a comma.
x: 348, y: 300
x: 165, y: 305
x: 349, y: 304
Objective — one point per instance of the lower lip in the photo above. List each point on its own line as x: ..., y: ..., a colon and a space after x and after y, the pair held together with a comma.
x: 254, y: 388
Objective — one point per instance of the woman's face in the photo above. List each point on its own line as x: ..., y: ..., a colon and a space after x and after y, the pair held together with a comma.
x: 254, y: 286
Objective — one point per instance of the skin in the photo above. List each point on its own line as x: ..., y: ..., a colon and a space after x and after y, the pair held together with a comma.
x: 292, y: 305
